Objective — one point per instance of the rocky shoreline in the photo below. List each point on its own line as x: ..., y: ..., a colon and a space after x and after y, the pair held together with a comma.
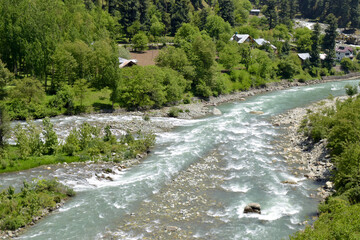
x: 306, y: 158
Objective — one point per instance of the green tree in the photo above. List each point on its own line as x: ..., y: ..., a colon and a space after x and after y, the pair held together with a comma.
x: 28, y: 90
x: 216, y: 26
x: 5, y: 77
x: 227, y: 9
x: 329, y: 41
x: 271, y: 13
x: 50, y: 137
x: 140, y: 42
x: 180, y: 14
x: 185, y: 34
x: 63, y: 69
x: 287, y: 69
x: 4, y: 126
x: 176, y: 59
x: 147, y: 87
x: 229, y: 57
x: 157, y: 28
x: 133, y: 29
x: 281, y: 32
x: 315, y: 46
x: 80, y: 89
x: 303, y: 39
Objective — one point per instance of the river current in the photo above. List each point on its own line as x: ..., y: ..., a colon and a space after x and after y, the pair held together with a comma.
x: 198, y: 178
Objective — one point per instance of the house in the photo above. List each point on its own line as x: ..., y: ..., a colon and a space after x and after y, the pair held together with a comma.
x: 262, y: 42
x: 255, y: 12
x: 342, y: 52
x: 127, y: 63
x: 241, y: 38
x: 322, y: 56
x: 304, y: 56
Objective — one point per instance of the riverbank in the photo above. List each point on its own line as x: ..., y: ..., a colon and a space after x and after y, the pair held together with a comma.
x: 306, y: 158
x: 20, y: 209
x: 203, y: 107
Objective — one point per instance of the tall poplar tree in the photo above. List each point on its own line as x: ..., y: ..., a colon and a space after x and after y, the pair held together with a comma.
x: 329, y: 40
x: 315, y: 47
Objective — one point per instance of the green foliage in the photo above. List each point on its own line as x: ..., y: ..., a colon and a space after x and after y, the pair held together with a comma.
x: 28, y: 140
x: 72, y: 143
x: 50, y: 137
x: 18, y: 209
x: 229, y: 56
x: 348, y: 65
x: 147, y: 87
x: 287, y: 69
x: 339, y: 217
x: 329, y: 41
x: 303, y: 39
x: 176, y: 59
x: 351, y: 90
x: 140, y: 42
x: 174, y: 112
x: 216, y: 26
x: 342, y: 223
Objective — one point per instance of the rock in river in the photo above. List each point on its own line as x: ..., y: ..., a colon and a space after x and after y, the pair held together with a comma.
x: 216, y: 112
x: 257, y: 112
x: 253, y: 208
x: 289, y: 182
x: 171, y: 228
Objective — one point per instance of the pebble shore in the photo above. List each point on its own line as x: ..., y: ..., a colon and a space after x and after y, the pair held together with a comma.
x: 306, y: 158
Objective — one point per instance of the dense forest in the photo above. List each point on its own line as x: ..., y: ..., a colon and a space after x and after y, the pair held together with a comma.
x: 48, y: 46
x: 346, y: 11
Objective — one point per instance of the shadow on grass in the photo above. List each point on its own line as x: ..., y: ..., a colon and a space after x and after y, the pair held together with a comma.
x: 106, y: 107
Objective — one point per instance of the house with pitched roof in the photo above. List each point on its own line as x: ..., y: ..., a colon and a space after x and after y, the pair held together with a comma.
x: 343, y: 51
x: 127, y: 63
x: 262, y: 42
x: 242, y: 38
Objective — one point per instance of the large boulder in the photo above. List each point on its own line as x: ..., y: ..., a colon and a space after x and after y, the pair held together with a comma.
x: 216, y: 112
x: 253, y: 208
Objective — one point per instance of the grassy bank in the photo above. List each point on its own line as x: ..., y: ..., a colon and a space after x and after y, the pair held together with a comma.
x: 82, y: 144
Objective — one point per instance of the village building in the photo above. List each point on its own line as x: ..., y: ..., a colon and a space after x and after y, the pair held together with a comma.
x: 255, y: 12
x: 123, y: 62
x: 304, y: 56
x: 241, y: 38
x: 342, y: 52
x: 262, y: 42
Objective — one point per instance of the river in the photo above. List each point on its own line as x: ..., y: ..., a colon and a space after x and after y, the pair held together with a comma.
x: 198, y: 178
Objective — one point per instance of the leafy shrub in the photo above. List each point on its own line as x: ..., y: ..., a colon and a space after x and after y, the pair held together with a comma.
x: 174, y: 112
x: 351, y: 90
x: 18, y: 209
x: 72, y: 143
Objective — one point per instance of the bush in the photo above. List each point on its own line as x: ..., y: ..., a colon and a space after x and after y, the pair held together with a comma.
x: 18, y: 209
x: 174, y: 112
x: 351, y: 90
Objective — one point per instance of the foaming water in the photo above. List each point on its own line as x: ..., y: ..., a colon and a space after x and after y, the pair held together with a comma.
x: 247, y: 171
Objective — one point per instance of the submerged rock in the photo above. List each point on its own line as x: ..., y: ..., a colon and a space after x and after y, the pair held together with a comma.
x: 253, y: 208
x: 289, y: 182
x: 171, y: 228
x: 257, y: 112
